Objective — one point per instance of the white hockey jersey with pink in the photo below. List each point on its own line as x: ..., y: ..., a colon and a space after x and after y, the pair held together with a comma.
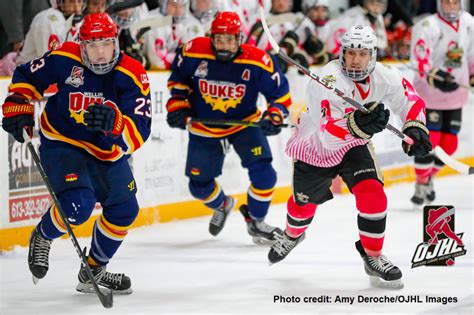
x: 437, y: 43
x: 48, y: 28
x: 322, y: 137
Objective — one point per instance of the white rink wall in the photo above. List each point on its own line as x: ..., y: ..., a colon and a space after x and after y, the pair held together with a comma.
x: 159, y: 165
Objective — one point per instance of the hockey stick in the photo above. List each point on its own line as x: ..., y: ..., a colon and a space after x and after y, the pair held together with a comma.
x: 282, y: 18
x: 105, y: 298
x: 120, y: 6
x: 453, y: 163
x: 316, y: 78
x: 230, y: 122
x: 143, y: 26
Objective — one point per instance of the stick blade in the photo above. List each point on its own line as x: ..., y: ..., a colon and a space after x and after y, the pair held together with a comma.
x: 452, y: 163
x: 107, y: 299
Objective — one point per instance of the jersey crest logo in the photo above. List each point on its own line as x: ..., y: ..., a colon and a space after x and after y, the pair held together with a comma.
x: 246, y: 75
x: 453, y: 55
x: 201, y: 71
x: 329, y: 81
x: 76, y: 78
x: 221, y: 95
x: 78, y: 103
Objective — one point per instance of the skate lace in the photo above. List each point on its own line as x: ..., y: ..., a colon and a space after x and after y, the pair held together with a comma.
x: 42, y: 247
x: 381, y: 263
x: 283, y: 245
x: 115, y: 278
x: 217, y: 217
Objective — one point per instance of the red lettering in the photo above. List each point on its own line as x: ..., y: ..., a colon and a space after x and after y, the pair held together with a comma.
x: 203, y: 86
x: 75, y: 101
x: 240, y: 91
x: 221, y: 91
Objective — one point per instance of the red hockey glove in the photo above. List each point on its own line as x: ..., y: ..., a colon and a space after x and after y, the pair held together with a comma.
x: 17, y: 115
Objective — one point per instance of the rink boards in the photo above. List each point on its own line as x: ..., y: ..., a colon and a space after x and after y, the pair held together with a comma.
x: 159, y: 168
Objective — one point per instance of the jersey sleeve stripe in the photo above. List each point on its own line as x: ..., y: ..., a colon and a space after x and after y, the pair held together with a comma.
x: 285, y: 100
x: 67, y: 54
x: 49, y: 132
x: 416, y: 110
x: 178, y: 86
x: 25, y: 89
x: 133, y: 138
x: 143, y: 90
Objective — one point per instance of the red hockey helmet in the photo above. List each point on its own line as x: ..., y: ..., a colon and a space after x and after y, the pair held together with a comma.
x: 226, y: 23
x: 98, y: 29
x: 97, y: 26
x: 225, y: 48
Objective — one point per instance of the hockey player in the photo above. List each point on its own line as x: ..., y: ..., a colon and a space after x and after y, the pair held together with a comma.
x: 369, y: 13
x: 99, y: 116
x: 220, y: 78
x: 334, y: 139
x: 161, y: 43
x: 442, y: 45
x: 50, y: 27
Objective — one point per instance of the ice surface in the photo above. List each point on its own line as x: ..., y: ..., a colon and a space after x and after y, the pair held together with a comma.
x: 179, y: 267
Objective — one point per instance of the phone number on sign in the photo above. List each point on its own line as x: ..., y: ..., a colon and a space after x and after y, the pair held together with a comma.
x: 28, y: 208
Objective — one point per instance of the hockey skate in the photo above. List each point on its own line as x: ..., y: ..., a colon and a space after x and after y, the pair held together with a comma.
x: 262, y: 233
x: 282, y: 247
x: 382, y: 272
x: 424, y: 194
x: 220, y: 215
x: 119, y: 283
x: 38, y: 255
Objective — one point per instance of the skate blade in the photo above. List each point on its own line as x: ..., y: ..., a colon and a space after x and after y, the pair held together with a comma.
x: 380, y: 283
x: 35, y: 280
x: 89, y: 289
x: 261, y: 241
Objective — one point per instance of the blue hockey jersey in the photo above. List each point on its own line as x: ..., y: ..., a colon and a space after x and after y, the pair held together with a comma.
x: 62, y: 120
x: 219, y: 90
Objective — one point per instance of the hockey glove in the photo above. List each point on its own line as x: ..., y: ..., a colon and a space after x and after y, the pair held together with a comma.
x: 442, y: 80
x: 313, y: 46
x: 365, y: 125
x: 271, y: 121
x: 179, y: 109
x: 420, y: 135
x: 17, y: 115
x: 302, y: 58
x: 289, y: 42
x: 106, y: 118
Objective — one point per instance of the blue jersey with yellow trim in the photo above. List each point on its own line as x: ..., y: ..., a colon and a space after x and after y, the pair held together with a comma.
x: 62, y: 120
x: 230, y: 90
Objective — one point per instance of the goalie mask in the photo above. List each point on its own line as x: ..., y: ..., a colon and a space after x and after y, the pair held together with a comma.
x: 450, y: 10
x: 99, y: 43
x: 226, y: 36
x: 361, y: 41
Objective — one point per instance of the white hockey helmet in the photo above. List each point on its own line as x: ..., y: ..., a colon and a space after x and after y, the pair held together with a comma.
x: 203, y: 15
x: 450, y: 16
x: 381, y: 8
x: 359, y: 37
x: 306, y: 5
x: 123, y: 18
x: 164, y: 9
